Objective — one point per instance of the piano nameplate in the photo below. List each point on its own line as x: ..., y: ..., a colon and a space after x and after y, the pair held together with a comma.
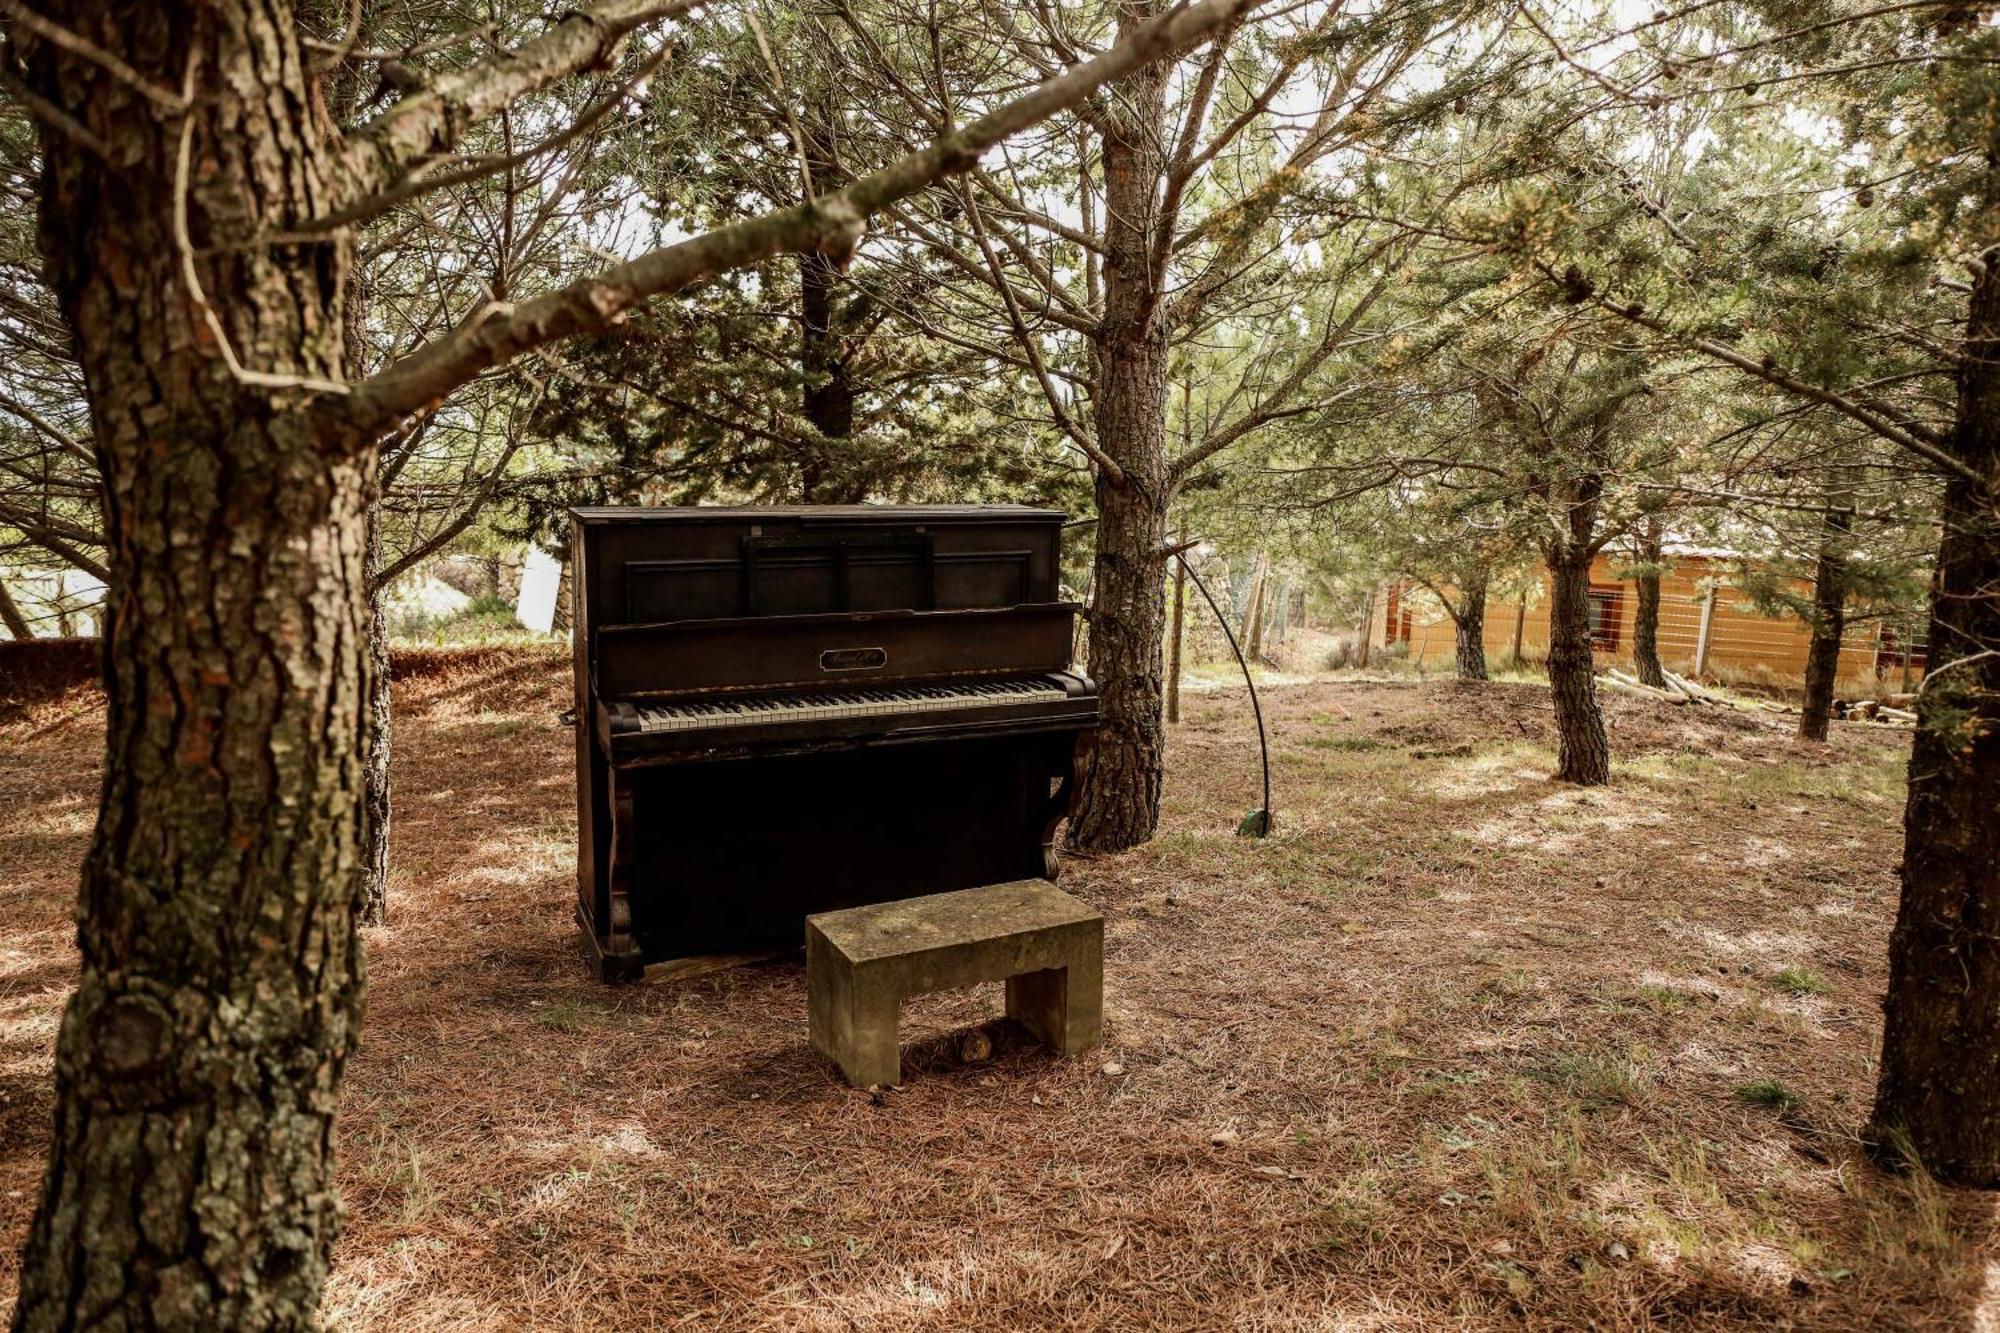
x: 853, y: 659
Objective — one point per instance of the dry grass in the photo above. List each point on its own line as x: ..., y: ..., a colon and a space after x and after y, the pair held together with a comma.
x: 1458, y: 1047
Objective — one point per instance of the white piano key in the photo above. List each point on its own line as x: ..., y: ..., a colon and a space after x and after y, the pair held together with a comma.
x: 698, y: 714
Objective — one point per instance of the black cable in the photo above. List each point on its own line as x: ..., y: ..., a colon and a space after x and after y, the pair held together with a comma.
x: 1263, y: 746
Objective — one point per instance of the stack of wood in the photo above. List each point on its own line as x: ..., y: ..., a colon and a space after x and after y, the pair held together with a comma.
x: 1897, y: 708
x: 1680, y: 690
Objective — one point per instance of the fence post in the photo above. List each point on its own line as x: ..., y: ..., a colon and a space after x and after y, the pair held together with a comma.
x: 1701, y: 635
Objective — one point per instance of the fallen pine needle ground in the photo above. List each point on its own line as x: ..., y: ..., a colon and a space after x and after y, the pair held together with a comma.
x: 1457, y: 1047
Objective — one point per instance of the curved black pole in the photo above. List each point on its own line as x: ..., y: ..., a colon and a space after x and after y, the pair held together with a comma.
x: 1263, y: 746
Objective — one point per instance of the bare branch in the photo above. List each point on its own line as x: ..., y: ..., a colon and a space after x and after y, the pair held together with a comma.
x: 431, y: 121
x: 42, y: 109
x: 1033, y: 351
x: 459, y: 523
x: 1913, y: 436
x: 61, y: 439
x: 192, y: 277
x: 413, y: 186
x: 78, y: 45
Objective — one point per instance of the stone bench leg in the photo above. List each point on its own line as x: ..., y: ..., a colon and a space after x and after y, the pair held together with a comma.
x: 853, y: 1023
x: 1064, y: 1006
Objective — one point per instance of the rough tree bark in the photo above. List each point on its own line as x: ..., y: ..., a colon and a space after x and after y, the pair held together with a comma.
x: 1118, y: 797
x: 1468, y: 624
x: 189, y: 1182
x: 190, y: 1178
x: 1937, y: 1095
x: 828, y: 391
x: 1177, y: 639
x: 1646, y: 615
x: 1584, y: 751
x: 378, y: 793
x: 1829, y: 625
x: 10, y: 616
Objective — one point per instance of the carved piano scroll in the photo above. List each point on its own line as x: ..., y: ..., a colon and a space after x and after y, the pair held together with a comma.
x: 618, y: 937
x: 1064, y: 791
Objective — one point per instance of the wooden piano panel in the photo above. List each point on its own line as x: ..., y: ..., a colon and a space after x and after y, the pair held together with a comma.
x: 657, y: 590
x: 652, y: 565
x: 705, y: 856
x: 802, y: 575
x: 634, y: 661
x: 732, y: 857
x: 985, y: 578
x: 894, y: 579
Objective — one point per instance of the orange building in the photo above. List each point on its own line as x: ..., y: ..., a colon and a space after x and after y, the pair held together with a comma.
x: 1708, y: 627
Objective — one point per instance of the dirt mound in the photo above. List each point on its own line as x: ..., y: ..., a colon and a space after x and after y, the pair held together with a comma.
x: 36, y: 671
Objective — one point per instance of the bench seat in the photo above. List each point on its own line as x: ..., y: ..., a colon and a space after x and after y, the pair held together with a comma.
x: 861, y: 964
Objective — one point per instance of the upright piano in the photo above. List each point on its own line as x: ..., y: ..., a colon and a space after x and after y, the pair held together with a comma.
x: 783, y: 711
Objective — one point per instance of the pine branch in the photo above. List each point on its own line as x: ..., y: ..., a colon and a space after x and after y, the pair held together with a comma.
x: 831, y: 224
x: 431, y: 120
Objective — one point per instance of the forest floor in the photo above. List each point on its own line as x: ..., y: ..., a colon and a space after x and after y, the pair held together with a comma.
x: 1458, y: 1046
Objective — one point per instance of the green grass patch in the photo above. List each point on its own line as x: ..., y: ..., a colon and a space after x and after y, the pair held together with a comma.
x: 1873, y: 779
x: 1801, y: 981
x: 1598, y: 1082
x: 1665, y: 999
x: 1348, y: 744
x: 1767, y: 1092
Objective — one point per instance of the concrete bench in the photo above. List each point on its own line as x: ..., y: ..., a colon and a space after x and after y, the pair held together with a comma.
x: 861, y: 963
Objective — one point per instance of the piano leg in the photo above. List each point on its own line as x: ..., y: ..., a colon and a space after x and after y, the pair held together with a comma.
x: 1058, y: 810
x: 617, y: 949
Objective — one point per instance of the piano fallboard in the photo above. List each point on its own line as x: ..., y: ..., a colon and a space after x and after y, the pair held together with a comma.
x: 840, y: 648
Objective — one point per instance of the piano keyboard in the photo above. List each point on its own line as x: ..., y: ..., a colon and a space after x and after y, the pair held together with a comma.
x: 693, y: 716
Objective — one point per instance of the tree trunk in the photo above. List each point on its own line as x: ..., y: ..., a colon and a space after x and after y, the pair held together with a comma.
x: 10, y: 616
x: 559, y: 621
x: 1646, y: 616
x: 189, y: 1181
x: 828, y: 394
x: 377, y: 796
x: 1584, y: 752
x: 1118, y: 796
x: 1829, y: 626
x: 828, y: 391
x: 1176, y: 638
x: 1937, y: 1093
x: 375, y: 860
x: 1469, y: 627
x: 1367, y: 631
